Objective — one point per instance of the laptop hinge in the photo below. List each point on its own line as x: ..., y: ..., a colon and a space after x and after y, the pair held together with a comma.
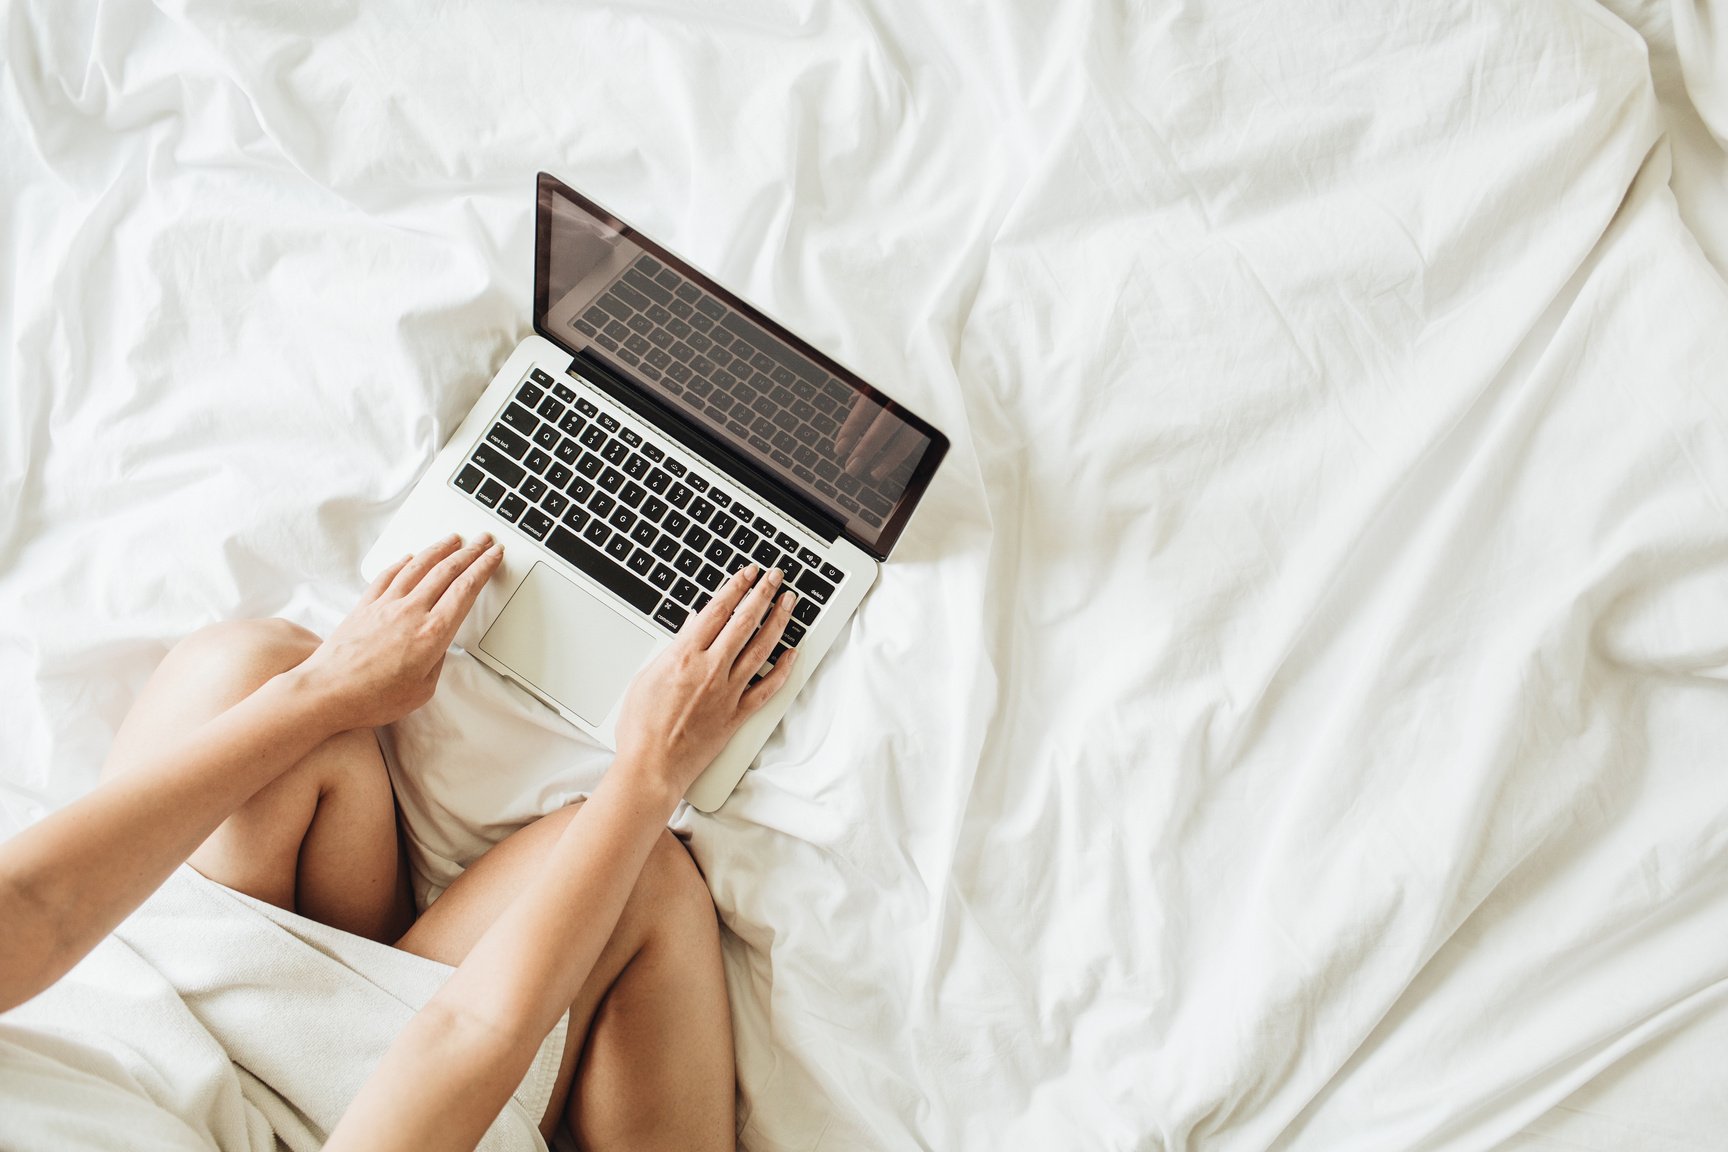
x: 591, y: 366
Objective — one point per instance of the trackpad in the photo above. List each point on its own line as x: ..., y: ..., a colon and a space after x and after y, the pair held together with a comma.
x: 571, y: 646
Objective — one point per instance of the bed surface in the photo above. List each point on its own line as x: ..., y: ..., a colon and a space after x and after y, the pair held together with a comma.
x: 1295, y: 719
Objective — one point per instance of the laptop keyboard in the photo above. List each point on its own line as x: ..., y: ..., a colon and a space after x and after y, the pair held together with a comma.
x: 604, y: 496
x: 722, y: 366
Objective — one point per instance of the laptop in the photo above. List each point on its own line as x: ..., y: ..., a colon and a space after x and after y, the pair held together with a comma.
x: 656, y: 434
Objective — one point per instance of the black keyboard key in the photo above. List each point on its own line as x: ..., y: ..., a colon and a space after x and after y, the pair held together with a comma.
x: 688, y: 563
x: 601, y: 504
x: 791, y: 568
x: 536, y: 523
x: 537, y: 460
x: 594, y: 437
x: 580, y: 489
x: 739, y: 560
x: 643, y: 533
x: 590, y: 465
x: 554, y: 501
x: 699, y: 483
x: 720, y: 498
x: 469, y: 478
x: 744, y: 538
x: 675, y: 468
x: 702, y: 599
x: 678, y: 497
x: 511, y: 507
x: 490, y: 493
x: 832, y: 574
x: 805, y: 610
x: 787, y: 544
x: 675, y: 523
x: 636, y: 467
x: 572, y: 424
x: 558, y: 476
x: 709, y: 577
x: 533, y: 488
x: 608, y: 422
x: 662, y: 577
x: 697, y: 538
x: 718, y: 552
x: 710, y: 307
x: 816, y: 588
x: 765, y: 554
x: 496, y: 463
x: 639, y: 595
x: 618, y: 547
x: 657, y: 481
x: 520, y: 419
x: 568, y: 450
x: 653, y: 508
x: 722, y: 524
x: 621, y: 519
x: 666, y: 548
x: 700, y: 510
x: 793, y: 634
x: 550, y: 409
x: 507, y: 442
x: 587, y: 407
x: 611, y: 480
x: 685, y: 591
x: 640, y: 562
x: 670, y: 616
x: 529, y: 394
x: 539, y: 377
x: 808, y: 558
x: 632, y: 494
x: 575, y: 517
x: 564, y: 392
x: 614, y: 451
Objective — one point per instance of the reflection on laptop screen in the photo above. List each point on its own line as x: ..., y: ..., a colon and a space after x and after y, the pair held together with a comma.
x: 836, y: 441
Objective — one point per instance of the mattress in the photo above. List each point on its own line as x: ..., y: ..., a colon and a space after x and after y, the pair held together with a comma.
x: 1294, y: 720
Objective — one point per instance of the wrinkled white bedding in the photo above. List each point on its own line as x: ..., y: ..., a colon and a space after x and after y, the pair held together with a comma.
x: 1295, y: 720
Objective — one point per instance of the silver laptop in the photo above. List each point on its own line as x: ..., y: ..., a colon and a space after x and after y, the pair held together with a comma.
x: 655, y: 435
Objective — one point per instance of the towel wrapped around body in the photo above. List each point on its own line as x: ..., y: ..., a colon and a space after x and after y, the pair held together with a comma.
x: 213, y: 1020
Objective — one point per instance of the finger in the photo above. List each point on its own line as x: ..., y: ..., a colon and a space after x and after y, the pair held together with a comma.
x: 763, y: 690
x: 905, y: 442
x: 761, y: 645
x: 453, y: 606
x: 747, y: 617
x: 422, y: 563
x: 879, y: 434
x: 382, y: 580
x: 702, y: 627
x: 431, y: 588
x: 863, y: 411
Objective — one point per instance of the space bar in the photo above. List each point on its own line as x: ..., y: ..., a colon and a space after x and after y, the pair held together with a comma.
x: 610, y: 575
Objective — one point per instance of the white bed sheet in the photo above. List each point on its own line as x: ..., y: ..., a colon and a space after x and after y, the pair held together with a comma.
x: 1295, y: 720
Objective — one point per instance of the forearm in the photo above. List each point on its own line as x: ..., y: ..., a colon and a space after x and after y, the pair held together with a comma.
x: 67, y: 881
x: 480, y: 1033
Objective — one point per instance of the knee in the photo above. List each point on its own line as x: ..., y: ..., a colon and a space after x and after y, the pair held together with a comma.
x: 242, y: 654
x: 671, y: 894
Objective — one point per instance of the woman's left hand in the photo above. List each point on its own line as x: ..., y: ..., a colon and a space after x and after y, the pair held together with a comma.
x: 382, y: 662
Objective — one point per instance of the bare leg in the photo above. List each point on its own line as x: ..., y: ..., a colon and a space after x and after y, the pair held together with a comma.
x: 321, y: 839
x: 648, y: 1062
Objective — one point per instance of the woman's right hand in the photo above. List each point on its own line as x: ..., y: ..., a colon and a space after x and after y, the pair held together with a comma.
x: 686, y: 703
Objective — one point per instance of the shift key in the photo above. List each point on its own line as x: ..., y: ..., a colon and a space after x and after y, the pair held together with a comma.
x: 499, y: 464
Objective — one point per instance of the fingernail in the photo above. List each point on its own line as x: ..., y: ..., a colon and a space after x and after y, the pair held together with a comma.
x: 496, y: 550
x: 751, y: 571
x: 786, y: 599
x: 453, y: 538
x: 484, y: 540
x: 775, y: 575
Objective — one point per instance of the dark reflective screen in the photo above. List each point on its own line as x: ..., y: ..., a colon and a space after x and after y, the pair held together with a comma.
x: 823, y: 432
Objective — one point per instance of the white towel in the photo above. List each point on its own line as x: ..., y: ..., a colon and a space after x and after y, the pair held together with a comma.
x: 248, y: 1024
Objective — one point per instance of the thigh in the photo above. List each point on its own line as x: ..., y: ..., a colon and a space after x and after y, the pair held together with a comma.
x: 321, y: 839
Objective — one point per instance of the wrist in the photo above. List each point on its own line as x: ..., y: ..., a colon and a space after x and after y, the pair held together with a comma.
x: 310, y: 696
x: 645, y: 781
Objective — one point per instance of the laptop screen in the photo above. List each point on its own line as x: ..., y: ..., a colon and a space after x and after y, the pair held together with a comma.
x: 784, y: 409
